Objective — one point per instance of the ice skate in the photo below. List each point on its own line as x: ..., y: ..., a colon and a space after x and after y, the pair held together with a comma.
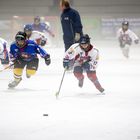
x: 102, y: 91
x: 28, y: 76
x: 14, y: 83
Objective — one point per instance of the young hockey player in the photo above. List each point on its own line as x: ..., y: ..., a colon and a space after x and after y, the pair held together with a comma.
x: 4, y: 57
x: 37, y: 36
x: 41, y: 27
x: 23, y: 53
x: 84, y: 58
x: 126, y: 37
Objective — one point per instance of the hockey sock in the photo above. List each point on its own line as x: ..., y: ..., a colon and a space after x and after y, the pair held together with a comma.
x: 92, y: 76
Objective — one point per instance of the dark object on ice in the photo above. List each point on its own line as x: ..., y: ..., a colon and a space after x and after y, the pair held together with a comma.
x: 45, y: 115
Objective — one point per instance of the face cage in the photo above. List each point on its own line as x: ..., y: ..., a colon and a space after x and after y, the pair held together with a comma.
x: 28, y: 33
x: 87, y: 46
x: 36, y: 22
x: 20, y: 45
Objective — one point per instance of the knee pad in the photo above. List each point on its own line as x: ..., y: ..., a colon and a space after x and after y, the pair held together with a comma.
x: 30, y: 72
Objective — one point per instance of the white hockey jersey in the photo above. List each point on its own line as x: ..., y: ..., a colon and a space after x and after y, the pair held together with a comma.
x: 37, y: 36
x: 79, y: 56
x: 127, y: 35
x: 3, y: 44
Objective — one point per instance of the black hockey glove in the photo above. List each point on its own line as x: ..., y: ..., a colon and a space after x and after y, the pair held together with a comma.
x: 16, y: 60
x: 68, y: 64
x: 47, y: 59
x: 86, y: 66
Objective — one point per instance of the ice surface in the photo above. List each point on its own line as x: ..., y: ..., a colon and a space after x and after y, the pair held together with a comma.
x: 78, y: 114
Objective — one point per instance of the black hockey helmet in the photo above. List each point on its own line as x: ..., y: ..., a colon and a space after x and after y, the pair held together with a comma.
x: 85, y: 39
x: 20, y: 38
x: 125, y: 23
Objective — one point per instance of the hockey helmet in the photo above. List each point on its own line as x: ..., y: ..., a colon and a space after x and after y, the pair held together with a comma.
x: 20, y: 39
x: 37, y: 20
x: 85, y: 39
x: 28, y: 27
x: 85, y: 42
x: 126, y: 23
x: 28, y: 30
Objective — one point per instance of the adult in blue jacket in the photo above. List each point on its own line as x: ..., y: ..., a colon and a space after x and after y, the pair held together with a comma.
x: 71, y: 24
x: 23, y: 53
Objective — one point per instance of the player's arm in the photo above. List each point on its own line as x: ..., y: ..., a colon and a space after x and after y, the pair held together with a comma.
x: 44, y: 55
x: 47, y: 29
x: 14, y: 55
x: 39, y: 38
x: 92, y: 63
x: 95, y: 59
x: 134, y: 37
x: 69, y: 56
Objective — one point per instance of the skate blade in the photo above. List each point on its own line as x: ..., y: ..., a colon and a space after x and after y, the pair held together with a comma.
x: 11, y: 88
x: 100, y: 93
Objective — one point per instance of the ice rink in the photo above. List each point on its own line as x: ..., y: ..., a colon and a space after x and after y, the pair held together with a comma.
x: 78, y: 114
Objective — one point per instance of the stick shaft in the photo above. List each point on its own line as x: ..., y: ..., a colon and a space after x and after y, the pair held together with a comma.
x: 61, y: 82
x: 7, y: 67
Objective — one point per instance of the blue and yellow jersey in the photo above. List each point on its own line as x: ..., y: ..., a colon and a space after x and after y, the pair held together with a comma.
x: 28, y: 52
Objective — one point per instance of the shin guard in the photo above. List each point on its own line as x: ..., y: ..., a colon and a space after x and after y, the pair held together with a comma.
x: 92, y: 76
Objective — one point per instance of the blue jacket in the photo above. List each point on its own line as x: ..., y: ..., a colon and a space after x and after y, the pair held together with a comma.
x: 71, y: 24
x: 27, y: 53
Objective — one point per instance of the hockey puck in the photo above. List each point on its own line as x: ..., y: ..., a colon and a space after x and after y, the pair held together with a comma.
x: 45, y: 115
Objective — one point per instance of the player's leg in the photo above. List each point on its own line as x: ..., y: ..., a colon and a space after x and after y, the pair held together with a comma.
x: 78, y: 73
x: 125, y: 51
x: 18, y: 70
x: 32, y: 67
x: 92, y: 76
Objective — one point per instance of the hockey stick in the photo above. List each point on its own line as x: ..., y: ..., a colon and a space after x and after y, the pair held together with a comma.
x: 57, y: 93
x: 7, y: 67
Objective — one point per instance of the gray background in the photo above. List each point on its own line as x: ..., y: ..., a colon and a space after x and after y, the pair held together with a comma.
x: 87, y: 7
